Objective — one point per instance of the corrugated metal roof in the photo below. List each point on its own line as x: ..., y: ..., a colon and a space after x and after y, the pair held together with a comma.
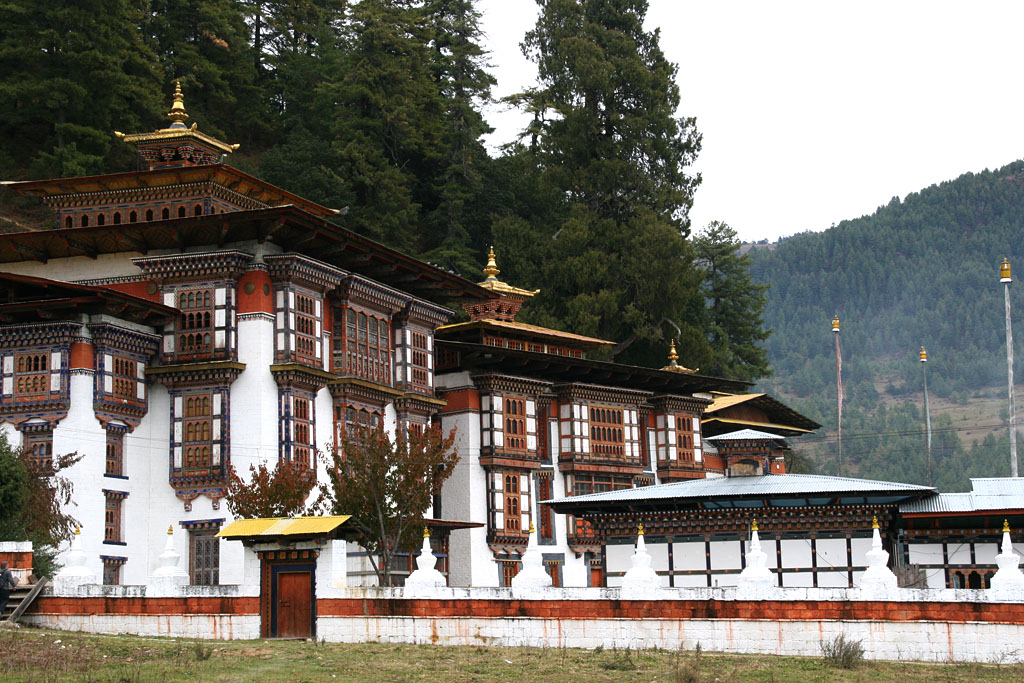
x: 987, y: 494
x: 764, y: 486
x: 745, y: 435
x: 283, y: 526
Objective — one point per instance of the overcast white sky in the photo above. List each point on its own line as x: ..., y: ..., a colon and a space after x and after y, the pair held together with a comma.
x: 813, y: 112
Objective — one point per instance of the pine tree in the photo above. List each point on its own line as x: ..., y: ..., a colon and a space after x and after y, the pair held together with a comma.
x: 619, y: 267
x: 385, y: 118
x: 735, y: 306
x: 205, y: 45
x: 71, y: 73
x: 453, y: 227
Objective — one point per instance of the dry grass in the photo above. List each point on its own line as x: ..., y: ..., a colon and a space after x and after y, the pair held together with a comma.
x: 46, y: 655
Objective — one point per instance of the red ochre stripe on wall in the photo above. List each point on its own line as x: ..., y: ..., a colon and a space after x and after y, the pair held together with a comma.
x: 561, y: 609
x: 47, y: 604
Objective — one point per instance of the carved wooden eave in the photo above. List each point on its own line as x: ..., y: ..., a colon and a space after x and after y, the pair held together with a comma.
x: 600, y: 394
x: 417, y: 404
x: 495, y: 382
x: 109, y: 335
x: 301, y: 376
x: 210, y: 265
x: 350, y: 389
x: 668, y: 403
x: 39, y: 334
x: 198, y: 374
x: 304, y: 271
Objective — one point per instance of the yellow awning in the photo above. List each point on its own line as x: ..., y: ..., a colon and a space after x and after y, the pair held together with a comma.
x: 283, y: 526
x: 757, y: 425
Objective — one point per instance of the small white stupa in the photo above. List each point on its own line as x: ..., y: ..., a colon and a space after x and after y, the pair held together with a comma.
x: 640, y: 577
x: 74, y: 573
x: 756, y: 574
x: 424, y: 581
x: 877, y: 578
x: 1008, y: 581
x: 532, y: 576
x: 169, y: 573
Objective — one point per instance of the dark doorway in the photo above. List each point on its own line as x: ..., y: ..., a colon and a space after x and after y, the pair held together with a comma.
x: 292, y: 601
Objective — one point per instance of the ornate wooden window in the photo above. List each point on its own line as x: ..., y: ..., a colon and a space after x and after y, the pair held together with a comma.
x: 350, y: 417
x: 112, y: 520
x: 546, y: 528
x: 606, y: 432
x: 197, y: 430
x: 510, y: 495
x: 508, y: 569
x: 39, y: 448
x: 307, y: 329
x: 515, y: 424
x: 124, y: 382
x: 204, y: 557
x: 509, y: 423
x: 363, y: 346
x: 195, y: 335
x: 302, y: 429
x: 115, y: 452
x: 421, y: 365
x: 112, y: 569
x: 31, y: 375
x: 684, y: 438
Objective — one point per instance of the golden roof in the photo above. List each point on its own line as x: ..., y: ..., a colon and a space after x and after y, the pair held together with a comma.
x: 282, y: 526
x: 495, y: 285
x: 177, y: 130
x: 673, y: 366
x: 511, y: 325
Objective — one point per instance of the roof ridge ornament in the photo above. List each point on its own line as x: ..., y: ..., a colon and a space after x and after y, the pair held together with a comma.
x: 177, y: 114
x: 673, y: 361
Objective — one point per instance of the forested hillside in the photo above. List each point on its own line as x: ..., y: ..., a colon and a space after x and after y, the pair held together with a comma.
x: 921, y: 272
x: 375, y: 106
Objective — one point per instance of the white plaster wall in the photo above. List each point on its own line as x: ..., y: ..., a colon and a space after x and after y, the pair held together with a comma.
x: 917, y: 641
x: 959, y: 553
x: 689, y: 555
x: 464, y: 498
x: 831, y: 552
x: 985, y: 553
x: 80, y: 431
x: 796, y: 552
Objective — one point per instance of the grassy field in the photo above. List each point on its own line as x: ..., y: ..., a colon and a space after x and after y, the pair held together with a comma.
x: 46, y: 655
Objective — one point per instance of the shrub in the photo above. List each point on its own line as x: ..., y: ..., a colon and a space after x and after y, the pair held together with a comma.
x: 843, y: 652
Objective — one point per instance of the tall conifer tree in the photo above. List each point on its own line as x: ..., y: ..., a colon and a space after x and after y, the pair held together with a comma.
x: 607, y: 134
x: 734, y: 306
x: 70, y: 73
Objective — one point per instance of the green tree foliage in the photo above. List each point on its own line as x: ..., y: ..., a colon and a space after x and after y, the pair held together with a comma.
x: 387, y: 486
x: 277, y: 492
x: 734, y: 303
x: 32, y: 503
x: 70, y: 73
x: 618, y: 265
x: 205, y: 45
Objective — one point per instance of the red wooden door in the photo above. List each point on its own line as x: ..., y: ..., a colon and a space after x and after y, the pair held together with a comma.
x: 294, y: 614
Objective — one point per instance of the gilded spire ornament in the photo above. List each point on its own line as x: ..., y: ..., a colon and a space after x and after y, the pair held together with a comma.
x: 874, y: 522
x: 673, y: 361
x: 640, y: 529
x: 170, y: 530
x: 531, y: 528
x: 491, y: 270
x: 177, y: 114
x: 753, y: 525
x: 1006, y: 525
x: 426, y: 532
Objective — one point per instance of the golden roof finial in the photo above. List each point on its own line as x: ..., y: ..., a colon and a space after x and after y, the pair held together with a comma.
x: 170, y: 530
x: 640, y: 529
x: 426, y: 532
x: 673, y: 358
x: 874, y: 522
x: 1006, y: 525
x: 177, y: 114
x: 491, y: 271
x: 753, y: 524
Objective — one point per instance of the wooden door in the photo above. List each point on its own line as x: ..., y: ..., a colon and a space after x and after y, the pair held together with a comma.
x: 294, y: 604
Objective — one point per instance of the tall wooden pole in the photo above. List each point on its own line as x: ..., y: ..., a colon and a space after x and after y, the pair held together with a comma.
x: 927, y: 413
x: 839, y: 397
x: 1004, y: 277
